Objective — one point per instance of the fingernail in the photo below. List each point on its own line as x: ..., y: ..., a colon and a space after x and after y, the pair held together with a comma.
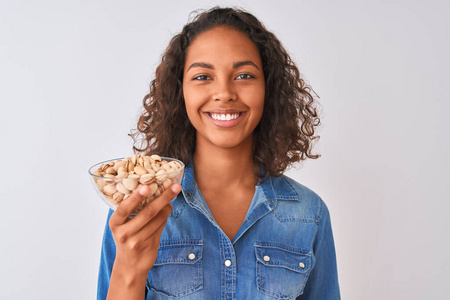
x: 143, y: 190
x: 176, y: 188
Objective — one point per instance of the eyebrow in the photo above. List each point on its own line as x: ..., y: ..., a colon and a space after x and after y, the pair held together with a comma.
x: 201, y: 65
x: 244, y: 63
x: 235, y: 65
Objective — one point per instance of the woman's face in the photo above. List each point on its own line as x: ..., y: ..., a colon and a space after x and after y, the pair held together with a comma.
x: 223, y: 87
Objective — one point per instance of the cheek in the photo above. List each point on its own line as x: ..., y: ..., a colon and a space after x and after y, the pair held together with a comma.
x: 189, y: 98
x: 192, y: 110
x: 257, y: 103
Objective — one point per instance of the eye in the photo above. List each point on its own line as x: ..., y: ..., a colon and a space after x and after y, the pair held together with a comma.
x: 201, y: 77
x: 244, y: 76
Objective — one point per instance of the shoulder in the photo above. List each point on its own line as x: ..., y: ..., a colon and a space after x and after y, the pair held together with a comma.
x: 308, y: 202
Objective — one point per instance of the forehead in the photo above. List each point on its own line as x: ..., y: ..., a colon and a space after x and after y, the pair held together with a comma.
x: 222, y: 43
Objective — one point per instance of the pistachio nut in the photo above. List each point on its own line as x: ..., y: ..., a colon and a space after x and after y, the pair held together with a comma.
x: 117, y: 197
x: 140, y: 170
x: 109, y: 189
x: 117, y: 179
x: 121, y: 188
x: 147, y: 178
x: 155, y: 157
x: 130, y: 183
x: 153, y: 188
x: 167, y: 183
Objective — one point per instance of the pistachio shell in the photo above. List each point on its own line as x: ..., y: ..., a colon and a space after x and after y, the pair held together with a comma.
x: 111, y: 170
x: 173, y: 165
x: 108, y: 196
x: 130, y: 183
x: 109, y: 189
x: 103, y: 167
x: 155, y: 157
x: 160, y: 175
x: 166, y: 167
x: 122, y: 175
x: 151, y: 172
x: 147, y: 178
x: 121, y: 188
x: 118, y: 165
x: 167, y: 183
x: 140, y: 170
x: 130, y: 166
x: 141, y: 160
x: 134, y: 159
x: 100, y: 183
x: 117, y: 197
x: 153, y: 188
x: 155, y: 167
x: 147, y: 164
x: 110, y: 179
x: 147, y: 159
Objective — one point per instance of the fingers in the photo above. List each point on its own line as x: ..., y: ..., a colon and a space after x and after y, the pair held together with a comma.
x: 156, y: 205
x: 155, y: 227
x: 123, y: 211
x: 127, y: 206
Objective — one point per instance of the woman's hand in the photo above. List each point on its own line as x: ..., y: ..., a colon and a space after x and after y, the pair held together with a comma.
x: 137, y: 241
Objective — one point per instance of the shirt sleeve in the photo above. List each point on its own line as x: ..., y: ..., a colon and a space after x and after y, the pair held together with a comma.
x: 107, y: 258
x: 323, y: 280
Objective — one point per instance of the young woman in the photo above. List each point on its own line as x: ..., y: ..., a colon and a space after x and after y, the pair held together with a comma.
x: 228, y: 101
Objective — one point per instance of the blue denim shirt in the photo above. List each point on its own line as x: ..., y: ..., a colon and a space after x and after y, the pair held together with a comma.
x: 283, y: 250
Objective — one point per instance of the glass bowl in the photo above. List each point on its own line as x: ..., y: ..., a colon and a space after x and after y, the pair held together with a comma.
x: 116, y: 179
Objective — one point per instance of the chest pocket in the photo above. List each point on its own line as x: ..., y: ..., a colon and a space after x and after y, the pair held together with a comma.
x: 281, y: 271
x: 178, y: 270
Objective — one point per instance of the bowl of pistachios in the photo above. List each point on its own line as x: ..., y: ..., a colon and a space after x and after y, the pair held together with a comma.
x: 116, y: 179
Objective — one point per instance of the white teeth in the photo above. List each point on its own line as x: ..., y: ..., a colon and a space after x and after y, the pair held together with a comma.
x: 224, y: 117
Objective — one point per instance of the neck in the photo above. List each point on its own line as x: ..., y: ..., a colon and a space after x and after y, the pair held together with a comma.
x: 219, y: 168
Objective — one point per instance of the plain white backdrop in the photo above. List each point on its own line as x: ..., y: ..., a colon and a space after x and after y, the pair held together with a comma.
x: 72, y: 78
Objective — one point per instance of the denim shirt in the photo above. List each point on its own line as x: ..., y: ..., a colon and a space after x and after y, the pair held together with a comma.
x: 283, y: 250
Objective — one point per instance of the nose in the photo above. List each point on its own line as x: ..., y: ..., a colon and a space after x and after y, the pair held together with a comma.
x: 224, y: 91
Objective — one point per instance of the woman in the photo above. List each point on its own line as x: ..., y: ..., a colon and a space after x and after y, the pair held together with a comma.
x: 228, y: 101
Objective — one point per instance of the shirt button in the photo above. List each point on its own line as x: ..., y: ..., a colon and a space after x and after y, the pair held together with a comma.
x: 301, y: 265
x: 266, y: 258
x: 188, y: 194
x: 191, y: 256
x: 227, y: 263
x: 270, y: 202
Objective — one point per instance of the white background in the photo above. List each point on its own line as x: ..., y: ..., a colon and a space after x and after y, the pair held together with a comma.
x: 72, y: 78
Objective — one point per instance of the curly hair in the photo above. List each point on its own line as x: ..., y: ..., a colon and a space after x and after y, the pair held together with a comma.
x: 285, y: 133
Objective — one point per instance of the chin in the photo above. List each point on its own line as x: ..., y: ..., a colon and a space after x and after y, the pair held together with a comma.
x: 229, y: 142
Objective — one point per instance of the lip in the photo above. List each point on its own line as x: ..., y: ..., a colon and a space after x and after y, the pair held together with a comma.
x: 224, y: 123
x: 224, y: 111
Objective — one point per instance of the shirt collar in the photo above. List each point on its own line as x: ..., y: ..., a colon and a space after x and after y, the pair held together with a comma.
x: 276, y: 188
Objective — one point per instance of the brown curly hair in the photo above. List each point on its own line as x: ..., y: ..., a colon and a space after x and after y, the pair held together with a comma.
x: 285, y: 133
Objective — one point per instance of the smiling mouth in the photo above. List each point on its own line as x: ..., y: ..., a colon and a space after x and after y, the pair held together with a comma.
x: 224, y: 117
